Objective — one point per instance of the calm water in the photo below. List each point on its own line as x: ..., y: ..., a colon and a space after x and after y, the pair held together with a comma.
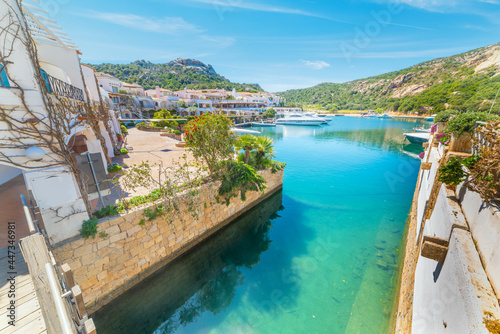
x: 318, y: 257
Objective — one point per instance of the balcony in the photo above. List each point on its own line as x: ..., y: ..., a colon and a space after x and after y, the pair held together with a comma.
x: 62, y: 88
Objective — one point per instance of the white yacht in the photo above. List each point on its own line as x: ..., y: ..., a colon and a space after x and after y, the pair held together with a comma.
x: 298, y: 119
x: 324, y: 120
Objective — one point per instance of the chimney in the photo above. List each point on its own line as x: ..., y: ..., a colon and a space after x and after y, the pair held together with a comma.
x: 157, y: 92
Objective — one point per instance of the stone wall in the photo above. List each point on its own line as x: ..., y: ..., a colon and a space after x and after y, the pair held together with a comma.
x: 106, y: 267
x: 453, y: 294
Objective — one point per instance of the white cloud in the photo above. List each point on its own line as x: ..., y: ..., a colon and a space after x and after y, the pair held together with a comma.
x: 166, y: 25
x: 257, y: 7
x: 316, y: 65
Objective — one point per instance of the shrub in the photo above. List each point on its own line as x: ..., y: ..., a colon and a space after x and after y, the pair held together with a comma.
x: 237, y: 176
x: 466, y: 122
x: 452, y: 173
x: 109, y: 210
x: 89, y: 228
x: 124, y: 129
x: 445, y: 115
x: 123, y: 151
x: 163, y: 114
x: 114, y: 168
x: 210, y: 139
x: 140, y: 125
x: 443, y: 138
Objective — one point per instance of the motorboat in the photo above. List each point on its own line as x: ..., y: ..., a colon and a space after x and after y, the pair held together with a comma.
x: 430, y: 118
x: 240, y: 131
x: 384, y: 116
x: 314, y: 115
x: 422, y: 129
x: 263, y: 124
x: 298, y: 119
x: 417, y: 138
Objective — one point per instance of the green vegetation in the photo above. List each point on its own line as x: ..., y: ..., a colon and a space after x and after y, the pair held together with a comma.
x: 237, y: 176
x: 452, y: 173
x: 114, y: 168
x: 174, y: 75
x: 445, y: 115
x: 209, y: 138
x: 123, y: 151
x: 443, y: 84
x: 124, y: 129
x: 163, y: 114
x: 466, y: 122
x: 89, y: 228
x: 109, y: 210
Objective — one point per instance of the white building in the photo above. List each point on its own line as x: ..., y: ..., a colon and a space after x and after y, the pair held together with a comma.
x: 25, y: 109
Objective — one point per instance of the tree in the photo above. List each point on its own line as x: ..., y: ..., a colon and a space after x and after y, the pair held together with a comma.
x: 210, y: 139
x: 270, y: 113
x: 246, y: 143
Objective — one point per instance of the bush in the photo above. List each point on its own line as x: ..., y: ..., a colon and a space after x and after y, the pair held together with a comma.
x: 452, y: 173
x: 140, y: 125
x: 123, y: 151
x: 238, y: 176
x: 110, y: 210
x: 445, y: 115
x: 124, y: 129
x: 176, y: 132
x: 466, y: 122
x: 210, y: 139
x: 114, y: 168
x: 89, y: 228
x: 163, y: 114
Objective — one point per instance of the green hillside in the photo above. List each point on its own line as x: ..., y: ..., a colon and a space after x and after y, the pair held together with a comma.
x: 174, y: 75
x: 466, y: 82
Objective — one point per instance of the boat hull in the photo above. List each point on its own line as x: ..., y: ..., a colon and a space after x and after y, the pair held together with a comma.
x: 417, y: 138
x: 303, y: 123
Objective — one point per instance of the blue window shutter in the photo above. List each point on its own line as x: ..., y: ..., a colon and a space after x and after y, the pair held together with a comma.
x: 4, y: 81
x: 46, y: 78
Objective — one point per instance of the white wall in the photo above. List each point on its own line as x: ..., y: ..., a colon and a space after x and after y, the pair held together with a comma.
x: 7, y: 173
x: 91, y: 83
x: 60, y: 202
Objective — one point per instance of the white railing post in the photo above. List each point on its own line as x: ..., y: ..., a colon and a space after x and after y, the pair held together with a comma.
x: 28, y: 215
x: 61, y: 310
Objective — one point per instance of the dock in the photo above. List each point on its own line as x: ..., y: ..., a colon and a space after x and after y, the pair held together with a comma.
x: 28, y: 313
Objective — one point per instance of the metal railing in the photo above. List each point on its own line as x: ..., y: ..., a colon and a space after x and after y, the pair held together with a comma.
x: 62, y: 88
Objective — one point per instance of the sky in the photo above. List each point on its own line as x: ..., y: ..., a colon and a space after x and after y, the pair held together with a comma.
x: 279, y: 44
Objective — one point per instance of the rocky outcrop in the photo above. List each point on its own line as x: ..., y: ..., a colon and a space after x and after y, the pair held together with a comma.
x: 194, y: 64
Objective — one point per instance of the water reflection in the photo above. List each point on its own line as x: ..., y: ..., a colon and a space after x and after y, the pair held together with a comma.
x: 204, y: 279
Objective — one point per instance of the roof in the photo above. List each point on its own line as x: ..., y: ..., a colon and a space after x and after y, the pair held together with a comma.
x: 44, y: 29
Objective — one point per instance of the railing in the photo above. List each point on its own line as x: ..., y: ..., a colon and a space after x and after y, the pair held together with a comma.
x: 480, y: 141
x: 62, y: 88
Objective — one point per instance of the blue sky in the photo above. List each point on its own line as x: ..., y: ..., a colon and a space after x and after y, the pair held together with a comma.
x: 279, y: 44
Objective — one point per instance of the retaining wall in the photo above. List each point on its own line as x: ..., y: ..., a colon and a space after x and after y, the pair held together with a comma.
x: 456, y: 294
x: 106, y: 267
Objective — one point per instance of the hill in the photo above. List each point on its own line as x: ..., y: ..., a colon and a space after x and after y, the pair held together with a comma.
x: 466, y: 82
x: 174, y: 75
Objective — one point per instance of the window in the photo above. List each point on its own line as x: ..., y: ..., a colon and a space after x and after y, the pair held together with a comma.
x: 4, y: 81
x: 114, y: 89
x: 46, y: 78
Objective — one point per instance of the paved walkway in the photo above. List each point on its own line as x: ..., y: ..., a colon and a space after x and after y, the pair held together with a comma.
x: 146, y: 146
x: 11, y: 209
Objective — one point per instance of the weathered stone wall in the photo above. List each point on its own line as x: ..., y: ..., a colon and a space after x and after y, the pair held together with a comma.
x: 106, y: 267
x: 454, y: 294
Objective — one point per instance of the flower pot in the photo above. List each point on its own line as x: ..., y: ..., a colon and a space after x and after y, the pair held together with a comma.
x: 462, y: 143
x: 440, y: 126
x: 120, y: 137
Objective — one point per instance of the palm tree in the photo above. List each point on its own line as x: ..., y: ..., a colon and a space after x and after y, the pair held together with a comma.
x: 265, y: 148
x: 246, y: 143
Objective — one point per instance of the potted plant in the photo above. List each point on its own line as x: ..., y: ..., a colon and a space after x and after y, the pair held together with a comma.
x: 461, y: 128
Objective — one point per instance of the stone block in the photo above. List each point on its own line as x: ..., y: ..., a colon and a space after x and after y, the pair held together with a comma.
x: 102, y: 244
x: 82, y: 250
x: 133, y: 230
x: 117, y: 237
x: 105, y: 252
x: 112, y: 230
x: 434, y: 248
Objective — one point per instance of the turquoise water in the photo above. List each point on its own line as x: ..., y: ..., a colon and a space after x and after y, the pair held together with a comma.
x: 318, y: 257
